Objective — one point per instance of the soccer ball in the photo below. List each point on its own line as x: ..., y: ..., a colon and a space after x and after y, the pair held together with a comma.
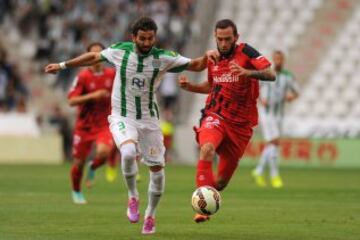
x: 206, y: 200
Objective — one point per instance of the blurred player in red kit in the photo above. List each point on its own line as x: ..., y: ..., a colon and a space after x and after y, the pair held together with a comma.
x: 91, y: 92
x: 230, y: 112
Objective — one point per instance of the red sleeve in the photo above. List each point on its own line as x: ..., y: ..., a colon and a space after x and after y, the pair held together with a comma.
x: 77, y: 87
x: 257, y: 60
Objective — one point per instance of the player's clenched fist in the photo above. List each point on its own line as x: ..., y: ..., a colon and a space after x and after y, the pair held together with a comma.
x: 238, y: 70
x: 213, y: 56
x: 183, y: 82
x: 52, y: 68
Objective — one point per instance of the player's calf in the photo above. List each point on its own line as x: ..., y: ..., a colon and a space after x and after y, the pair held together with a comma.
x: 207, y: 151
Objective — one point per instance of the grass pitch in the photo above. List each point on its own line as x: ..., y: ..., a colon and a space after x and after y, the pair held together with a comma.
x: 315, y: 204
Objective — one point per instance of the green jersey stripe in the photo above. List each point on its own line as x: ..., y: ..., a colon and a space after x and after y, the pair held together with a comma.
x: 140, y: 66
x: 151, y: 90
x: 157, y: 110
x: 138, y: 107
x: 123, y: 83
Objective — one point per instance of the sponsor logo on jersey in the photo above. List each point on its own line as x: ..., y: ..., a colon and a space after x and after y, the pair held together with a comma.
x: 226, y: 78
x: 138, y: 83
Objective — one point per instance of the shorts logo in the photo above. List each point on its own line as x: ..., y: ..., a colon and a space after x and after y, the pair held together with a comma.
x: 121, y: 126
x: 153, y: 152
x: 212, y: 122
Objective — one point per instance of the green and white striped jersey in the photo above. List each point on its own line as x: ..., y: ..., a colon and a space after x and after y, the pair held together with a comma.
x: 138, y: 77
x: 275, y: 92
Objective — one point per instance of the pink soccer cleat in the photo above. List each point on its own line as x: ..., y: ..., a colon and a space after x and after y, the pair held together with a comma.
x: 149, y: 225
x: 133, y: 210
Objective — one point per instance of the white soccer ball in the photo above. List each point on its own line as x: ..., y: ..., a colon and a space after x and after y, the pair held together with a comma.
x: 206, y: 200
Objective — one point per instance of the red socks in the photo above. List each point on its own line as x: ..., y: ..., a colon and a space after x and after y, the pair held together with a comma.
x: 76, y: 175
x: 204, y: 175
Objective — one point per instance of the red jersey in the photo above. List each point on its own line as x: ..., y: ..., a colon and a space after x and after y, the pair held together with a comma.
x: 92, y: 115
x: 234, y: 98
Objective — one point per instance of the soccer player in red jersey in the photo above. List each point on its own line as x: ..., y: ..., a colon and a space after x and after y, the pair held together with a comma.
x: 91, y: 94
x: 230, y: 112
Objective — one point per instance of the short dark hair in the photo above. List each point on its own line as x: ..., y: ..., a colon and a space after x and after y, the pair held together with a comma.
x: 144, y: 24
x: 93, y: 44
x: 225, y: 23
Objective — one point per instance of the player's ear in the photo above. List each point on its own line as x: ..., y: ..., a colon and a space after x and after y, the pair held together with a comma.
x: 236, y: 37
x: 133, y: 37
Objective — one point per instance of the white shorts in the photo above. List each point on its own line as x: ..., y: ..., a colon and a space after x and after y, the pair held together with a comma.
x: 145, y: 132
x: 270, y: 126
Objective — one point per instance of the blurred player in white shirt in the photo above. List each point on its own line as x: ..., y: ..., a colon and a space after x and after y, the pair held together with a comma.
x: 273, y: 96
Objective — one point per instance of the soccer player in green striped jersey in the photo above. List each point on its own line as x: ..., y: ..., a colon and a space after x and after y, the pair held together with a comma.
x: 134, y: 118
x: 273, y: 96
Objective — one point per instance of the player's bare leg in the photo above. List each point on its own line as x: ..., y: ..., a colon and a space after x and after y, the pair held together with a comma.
x: 156, y: 188
x: 102, y: 154
x: 130, y: 169
x: 76, y: 176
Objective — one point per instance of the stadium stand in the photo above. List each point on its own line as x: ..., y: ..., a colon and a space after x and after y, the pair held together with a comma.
x: 329, y: 100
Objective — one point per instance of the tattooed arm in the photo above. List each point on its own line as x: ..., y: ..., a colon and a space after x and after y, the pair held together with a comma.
x: 266, y: 74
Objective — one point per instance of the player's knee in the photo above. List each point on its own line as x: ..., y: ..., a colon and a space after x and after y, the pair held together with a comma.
x: 207, y: 151
x: 102, y: 154
x: 156, y: 168
x: 221, y: 184
x: 275, y: 141
x: 128, y: 152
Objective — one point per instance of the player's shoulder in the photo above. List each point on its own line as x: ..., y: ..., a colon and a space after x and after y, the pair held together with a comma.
x: 84, y: 73
x: 248, y: 50
x: 126, y: 46
x: 164, y: 53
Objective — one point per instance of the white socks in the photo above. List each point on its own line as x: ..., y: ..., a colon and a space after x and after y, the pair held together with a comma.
x: 262, y: 162
x: 273, y: 161
x: 269, y: 156
x: 129, y: 168
x: 156, y: 188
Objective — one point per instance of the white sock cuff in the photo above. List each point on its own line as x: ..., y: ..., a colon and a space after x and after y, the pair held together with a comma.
x: 157, y: 182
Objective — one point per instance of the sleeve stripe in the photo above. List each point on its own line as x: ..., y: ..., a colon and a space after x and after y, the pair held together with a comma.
x: 103, y: 58
x: 179, y: 68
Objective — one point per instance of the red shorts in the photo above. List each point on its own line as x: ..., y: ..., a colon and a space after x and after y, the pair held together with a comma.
x: 230, y: 141
x: 83, y: 142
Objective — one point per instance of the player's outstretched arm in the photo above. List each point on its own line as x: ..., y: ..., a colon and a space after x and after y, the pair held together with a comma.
x: 203, y: 87
x: 86, y: 59
x: 93, y: 96
x: 266, y: 74
x: 199, y: 64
